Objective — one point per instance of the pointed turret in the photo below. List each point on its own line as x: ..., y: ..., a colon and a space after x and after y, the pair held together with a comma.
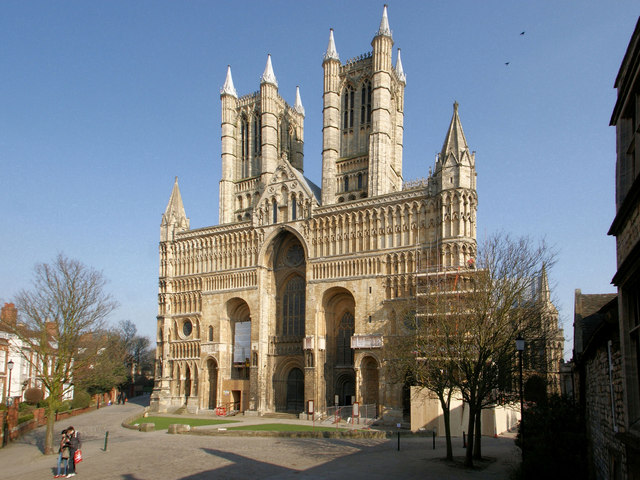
x: 331, y: 53
x: 384, y: 24
x: 174, y: 217
x: 455, y: 143
x: 298, y: 105
x: 399, y: 70
x: 544, y: 290
x: 268, y: 76
x: 228, y: 88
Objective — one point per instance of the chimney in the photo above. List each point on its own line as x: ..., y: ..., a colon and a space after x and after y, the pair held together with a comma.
x: 52, y: 329
x: 9, y: 314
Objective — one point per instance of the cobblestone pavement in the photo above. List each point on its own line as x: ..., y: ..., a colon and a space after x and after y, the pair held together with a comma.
x: 133, y: 455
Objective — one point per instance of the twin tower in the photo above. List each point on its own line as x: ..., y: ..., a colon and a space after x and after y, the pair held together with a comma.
x: 363, y: 114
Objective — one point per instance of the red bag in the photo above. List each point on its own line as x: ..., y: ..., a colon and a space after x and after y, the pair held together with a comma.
x: 77, y: 457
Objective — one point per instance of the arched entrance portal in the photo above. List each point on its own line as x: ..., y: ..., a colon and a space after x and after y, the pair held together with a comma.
x: 346, y: 388
x: 212, y: 377
x: 187, y: 385
x: 369, y: 371
x: 295, y: 391
x: 339, y: 309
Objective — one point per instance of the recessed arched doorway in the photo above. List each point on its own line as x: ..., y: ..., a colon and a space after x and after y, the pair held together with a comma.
x: 370, y: 379
x: 187, y: 384
x: 346, y: 388
x: 295, y: 391
x: 212, y: 381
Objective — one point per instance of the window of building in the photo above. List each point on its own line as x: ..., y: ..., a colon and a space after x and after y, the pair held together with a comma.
x: 257, y: 134
x: 365, y: 103
x: 274, y: 207
x: 211, y: 334
x: 346, y: 184
x: 293, y: 306
x: 359, y: 181
x: 348, y: 103
x: 293, y: 207
x: 244, y: 138
x: 344, y: 353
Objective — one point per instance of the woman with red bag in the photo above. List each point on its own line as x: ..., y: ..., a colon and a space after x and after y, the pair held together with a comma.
x: 75, y: 455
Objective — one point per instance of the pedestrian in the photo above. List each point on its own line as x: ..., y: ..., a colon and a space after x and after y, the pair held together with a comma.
x: 63, y: 455
x: 74, y: 446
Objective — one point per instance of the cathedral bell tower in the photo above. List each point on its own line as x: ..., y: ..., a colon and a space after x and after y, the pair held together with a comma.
x: 259, y: 130
x: 362, y: 121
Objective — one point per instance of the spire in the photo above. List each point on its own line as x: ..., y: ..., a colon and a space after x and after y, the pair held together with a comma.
x: 174, y: 218
x: 399, y: 70
x: 455, y: 142
x: 268, y: 76
x: 545, y: 291
x: 175, y: 206
x: 384, y: 24
x: 298, y: 105
x: 332, y: 53
x: 228, y: 88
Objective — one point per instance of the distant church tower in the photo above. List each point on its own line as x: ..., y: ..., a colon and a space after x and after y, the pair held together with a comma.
x: 363, y: 118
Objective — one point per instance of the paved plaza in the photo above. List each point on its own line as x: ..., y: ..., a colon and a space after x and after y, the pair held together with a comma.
x: 133, y: 455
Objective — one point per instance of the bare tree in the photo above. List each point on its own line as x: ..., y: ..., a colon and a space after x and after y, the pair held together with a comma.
x: 66, y: 305
x: 465, y: 325
x: 497, y: 305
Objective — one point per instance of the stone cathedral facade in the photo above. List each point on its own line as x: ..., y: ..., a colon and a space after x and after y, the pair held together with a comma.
x: 290, y: 298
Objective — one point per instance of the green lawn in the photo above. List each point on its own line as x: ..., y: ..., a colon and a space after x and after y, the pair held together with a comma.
x: 162, y: 423
x: 285, y: 427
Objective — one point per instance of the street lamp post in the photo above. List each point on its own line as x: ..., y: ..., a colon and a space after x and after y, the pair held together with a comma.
x: 10, y: 367
x: 520, y: 349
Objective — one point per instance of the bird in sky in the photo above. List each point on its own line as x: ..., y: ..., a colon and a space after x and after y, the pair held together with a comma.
x: 521, y: 33
x: 507, y: 63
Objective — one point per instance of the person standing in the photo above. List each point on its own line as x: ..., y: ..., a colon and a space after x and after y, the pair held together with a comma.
x: 74, y: 446
x: 63, y: 455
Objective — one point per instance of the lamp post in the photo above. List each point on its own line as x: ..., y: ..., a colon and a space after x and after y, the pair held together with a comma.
x: 10, y: 367
x: 520, y: 349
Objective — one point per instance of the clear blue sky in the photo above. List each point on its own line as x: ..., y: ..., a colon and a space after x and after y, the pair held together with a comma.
x: 103, y: 103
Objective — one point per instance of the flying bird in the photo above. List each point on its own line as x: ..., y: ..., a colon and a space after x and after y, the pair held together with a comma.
x: 521, y: 33
x: 507, y: 63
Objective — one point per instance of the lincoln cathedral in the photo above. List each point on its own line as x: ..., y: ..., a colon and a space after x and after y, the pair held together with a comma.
x: 290, y: 297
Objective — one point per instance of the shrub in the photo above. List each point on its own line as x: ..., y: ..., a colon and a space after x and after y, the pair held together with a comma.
x: 554, y: 441
x: 33, y: 395
x: 81, y: 399
x: 24, y: 407
x: 25, y: 418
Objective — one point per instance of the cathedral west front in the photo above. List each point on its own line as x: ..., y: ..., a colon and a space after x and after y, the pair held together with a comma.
x: 291, y: 296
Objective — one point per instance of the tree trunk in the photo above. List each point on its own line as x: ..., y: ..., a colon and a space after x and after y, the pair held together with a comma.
x: 477, y: 447
x: 48, y: 437
x: 446, y: 412
x: 468, y: 458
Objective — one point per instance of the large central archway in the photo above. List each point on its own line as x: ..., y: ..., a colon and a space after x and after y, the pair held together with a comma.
x: 212, y: 384
x: 339, y: 311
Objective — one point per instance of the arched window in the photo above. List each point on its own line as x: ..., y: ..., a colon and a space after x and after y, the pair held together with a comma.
x: 346, y: 184
x: 257, y: 134
x: 344, y: 353
x: 365, y: 103
x: 274, y: 206
x: 293, y: 207
x: 211, y: 334
x: 348, y: 102
x: 359, y: 181
x: 244, y: 138
x: 293, y: 305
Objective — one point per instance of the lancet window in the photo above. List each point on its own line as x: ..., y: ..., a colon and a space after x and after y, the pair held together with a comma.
x: 348, y: 103
x: 293, y: 306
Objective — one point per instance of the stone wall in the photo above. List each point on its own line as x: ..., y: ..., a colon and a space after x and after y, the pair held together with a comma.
x: 606, y: 453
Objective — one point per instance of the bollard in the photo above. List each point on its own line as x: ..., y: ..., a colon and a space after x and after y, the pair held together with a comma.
x: 106, y: 438
x: 464, y: 440
x: 398, y: 440
x: 434, y: 439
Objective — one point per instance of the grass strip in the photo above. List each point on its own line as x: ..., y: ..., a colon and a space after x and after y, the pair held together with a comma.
x: 162, y: 423
x: 286, y: 427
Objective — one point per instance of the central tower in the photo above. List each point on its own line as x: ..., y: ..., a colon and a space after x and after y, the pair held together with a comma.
x: 362, y: 121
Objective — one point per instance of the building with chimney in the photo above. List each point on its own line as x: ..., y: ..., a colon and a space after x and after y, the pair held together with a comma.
x: 290, y: 297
